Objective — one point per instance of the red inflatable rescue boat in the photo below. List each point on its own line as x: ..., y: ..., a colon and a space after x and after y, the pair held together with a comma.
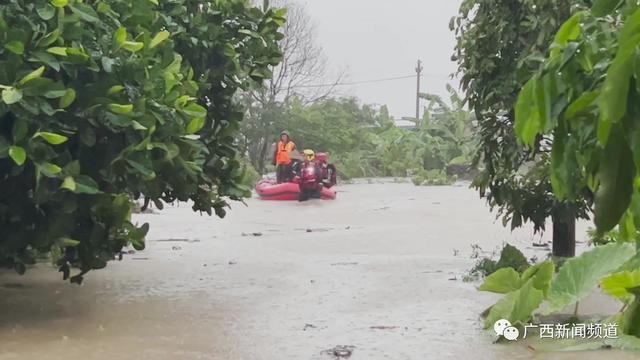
x: 269, y: 190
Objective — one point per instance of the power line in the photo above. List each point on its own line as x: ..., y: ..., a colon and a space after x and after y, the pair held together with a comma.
x: 368, y: 81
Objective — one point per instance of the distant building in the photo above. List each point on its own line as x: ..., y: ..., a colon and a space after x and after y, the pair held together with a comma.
x: 405, y: 123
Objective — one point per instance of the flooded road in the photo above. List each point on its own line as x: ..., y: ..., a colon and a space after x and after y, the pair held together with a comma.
x: 377, y: 271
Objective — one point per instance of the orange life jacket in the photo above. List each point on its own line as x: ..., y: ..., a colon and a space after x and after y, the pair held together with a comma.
x: 282, y: 152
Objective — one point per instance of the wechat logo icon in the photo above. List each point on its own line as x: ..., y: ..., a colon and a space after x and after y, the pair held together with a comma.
x: 503, y: 327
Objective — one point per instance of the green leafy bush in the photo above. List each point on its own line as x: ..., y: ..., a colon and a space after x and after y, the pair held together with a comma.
x: 510, y: 257
x: 432, y: 177
x: 104, y: 102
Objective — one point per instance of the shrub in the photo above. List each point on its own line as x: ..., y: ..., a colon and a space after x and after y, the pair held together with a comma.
x: 107, y: 101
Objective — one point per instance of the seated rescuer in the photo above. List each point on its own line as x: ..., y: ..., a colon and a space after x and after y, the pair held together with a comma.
x: 328, y: 173
x: 282, y: 160
x: 310, y: 185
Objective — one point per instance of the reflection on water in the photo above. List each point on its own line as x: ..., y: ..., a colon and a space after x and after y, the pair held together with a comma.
x: 374, y: 272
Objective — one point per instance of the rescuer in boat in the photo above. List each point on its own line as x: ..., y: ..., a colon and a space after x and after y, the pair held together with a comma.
x: 282, y: 158
x: 328, y: 176
x: 310, y: 177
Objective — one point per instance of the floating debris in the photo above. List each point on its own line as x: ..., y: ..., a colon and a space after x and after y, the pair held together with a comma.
x: 383, y: 327
x: 255, y: 234
x: 309, y: 326
x: 344, y: 263
x: 340, y: 351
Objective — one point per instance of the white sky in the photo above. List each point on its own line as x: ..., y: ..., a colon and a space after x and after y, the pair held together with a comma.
x: 373, y: 39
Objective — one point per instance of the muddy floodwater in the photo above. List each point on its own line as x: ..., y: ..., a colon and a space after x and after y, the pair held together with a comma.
x: 376, y: 274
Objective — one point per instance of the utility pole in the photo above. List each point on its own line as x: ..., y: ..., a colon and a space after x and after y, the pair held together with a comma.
x: 419, y: 69
x: 265, y: 5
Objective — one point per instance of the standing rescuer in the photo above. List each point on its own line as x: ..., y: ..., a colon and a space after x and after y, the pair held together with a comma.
x: 282, y: 159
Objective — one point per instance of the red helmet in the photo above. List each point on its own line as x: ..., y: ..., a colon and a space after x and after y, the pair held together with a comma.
x: 322, y: 157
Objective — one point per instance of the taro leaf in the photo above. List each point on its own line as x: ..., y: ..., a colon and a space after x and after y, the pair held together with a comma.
x: 618, y: 285
x: 18, y: 155
x: 604, y: 7
x: 516, y: 306
x: 625, y: 342
x: 580, y: 275
x: 616, y: 175
x: 542, y: 274
x: 503, y: 281
x: 11, y: 95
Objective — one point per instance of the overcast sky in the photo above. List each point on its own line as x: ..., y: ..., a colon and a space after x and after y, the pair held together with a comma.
x: 374, y: 39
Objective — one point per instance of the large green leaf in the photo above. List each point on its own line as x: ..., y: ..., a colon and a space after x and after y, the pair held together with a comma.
x: 579, y: 276
x: 541, y: 274
x: 619, y: 284
x: 569, y: 31
x: 616, y: 175
x: 516, y: 306
x: 528, y: 123
x: 614, y: 94
x: 503, y: 281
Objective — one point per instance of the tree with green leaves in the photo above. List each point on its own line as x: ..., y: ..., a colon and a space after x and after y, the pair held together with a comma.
x: 500, y: 44
x: 107, y: 101
x: 296, y: 78
x: 586, y: 96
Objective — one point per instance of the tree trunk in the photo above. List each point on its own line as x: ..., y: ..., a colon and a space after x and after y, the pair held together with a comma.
x: 564, y: 236
x: 262, y: 156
